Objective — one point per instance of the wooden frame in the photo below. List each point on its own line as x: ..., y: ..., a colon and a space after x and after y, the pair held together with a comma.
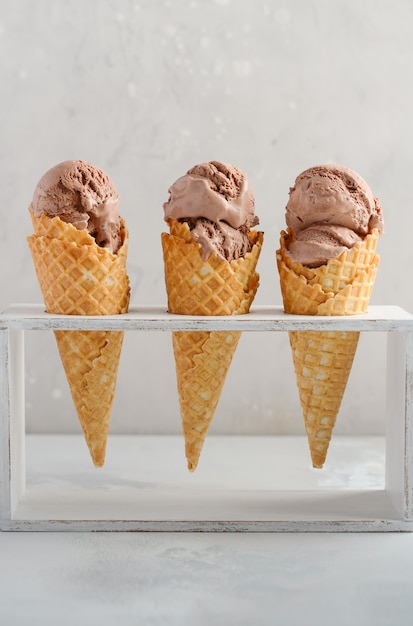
x: 387, y: 509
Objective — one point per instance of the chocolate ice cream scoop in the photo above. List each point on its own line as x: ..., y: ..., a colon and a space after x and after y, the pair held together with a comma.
x: 329, y: 210
x: 217, y: 201
x: 82, y: 194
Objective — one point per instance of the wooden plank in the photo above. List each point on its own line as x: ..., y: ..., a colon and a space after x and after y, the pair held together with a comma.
x: 17, y: 418
x: 150, y: 318
x: 360, y: 526
x: 408, y: 454
x: 396, y: 419
x: 5, y: 508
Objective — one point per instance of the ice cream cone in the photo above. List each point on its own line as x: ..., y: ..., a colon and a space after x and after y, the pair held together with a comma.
x: 198, y: 287
x: 323, y: 359
x: 78, y: 277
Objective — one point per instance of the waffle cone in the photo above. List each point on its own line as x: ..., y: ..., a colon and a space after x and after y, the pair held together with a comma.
x: 323, y: 359
x: 77, y: 277
x: 202, y: 359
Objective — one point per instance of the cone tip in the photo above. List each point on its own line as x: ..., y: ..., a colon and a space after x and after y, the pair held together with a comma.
x: 317, y: 462
x: 97, y: 453
x: 192, y: 465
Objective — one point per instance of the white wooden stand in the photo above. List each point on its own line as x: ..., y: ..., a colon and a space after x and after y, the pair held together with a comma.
x: 254, y: 484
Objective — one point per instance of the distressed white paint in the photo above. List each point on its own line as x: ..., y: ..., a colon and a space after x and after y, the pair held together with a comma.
x: 5, y: 419
x: 156, y: 318
x: 17, y: 421
x: 396, y: 403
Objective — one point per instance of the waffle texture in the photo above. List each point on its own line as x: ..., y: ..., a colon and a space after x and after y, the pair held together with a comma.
x: 323, y: 360
x: 202, y: 359
x: 77, y: 277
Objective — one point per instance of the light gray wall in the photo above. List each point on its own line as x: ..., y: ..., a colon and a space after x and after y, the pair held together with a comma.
x: 147, y: 88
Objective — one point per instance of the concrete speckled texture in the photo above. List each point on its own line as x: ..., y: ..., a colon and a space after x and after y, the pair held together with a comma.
x: 147, y: 89
x: 165, y: 579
